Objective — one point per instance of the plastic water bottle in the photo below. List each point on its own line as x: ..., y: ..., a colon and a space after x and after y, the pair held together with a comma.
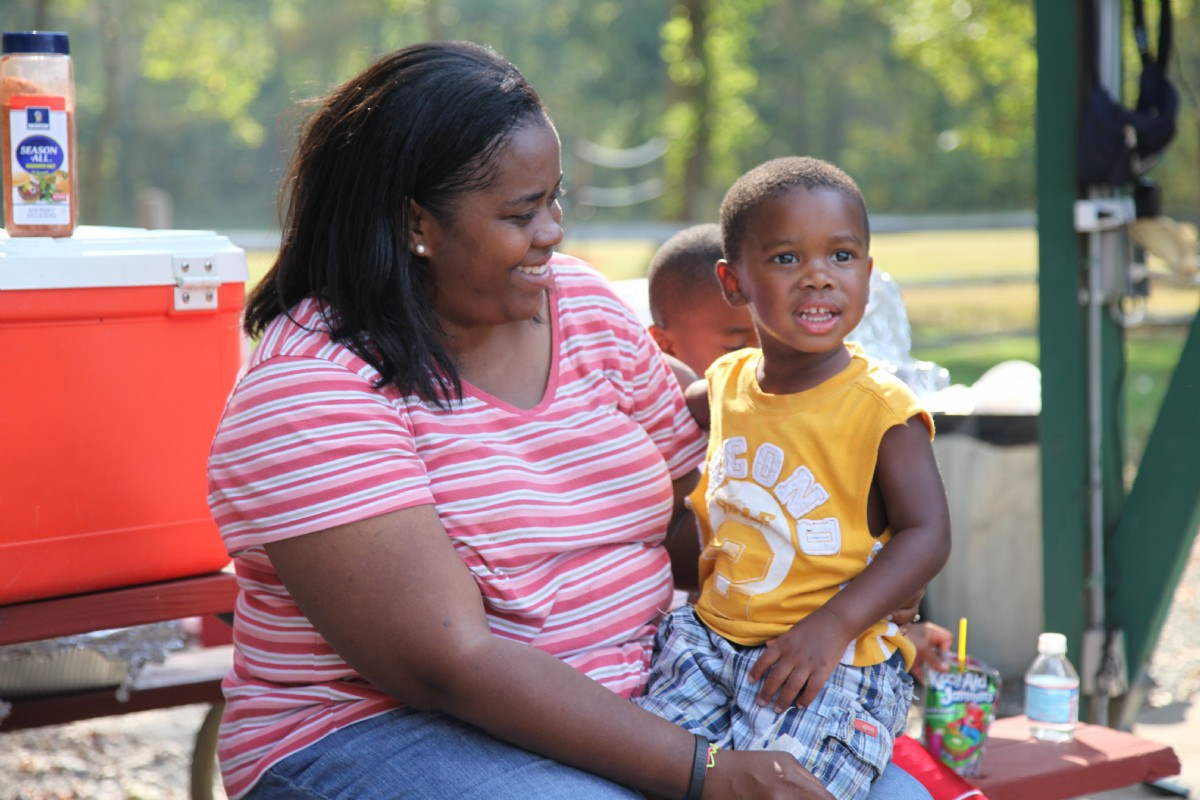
x: 1052, y: 691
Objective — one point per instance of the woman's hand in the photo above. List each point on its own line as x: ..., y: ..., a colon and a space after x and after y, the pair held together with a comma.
x: 760, y: 775
x: 932, y: 642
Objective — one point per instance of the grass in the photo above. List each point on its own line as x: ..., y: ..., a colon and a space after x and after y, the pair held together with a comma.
x: 966, y: 329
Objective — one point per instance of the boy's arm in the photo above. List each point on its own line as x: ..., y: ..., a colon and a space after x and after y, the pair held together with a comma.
x: 696, y: 395
x: 911, y: 486
x: 683, y: 536
x: 684, y: 375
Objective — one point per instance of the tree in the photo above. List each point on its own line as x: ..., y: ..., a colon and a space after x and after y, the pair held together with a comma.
x: 981, y: 55
x: 709, y: 117
x: 929, y: 104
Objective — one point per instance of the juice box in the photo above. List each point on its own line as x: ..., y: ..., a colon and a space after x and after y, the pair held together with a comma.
x: 960, y: 705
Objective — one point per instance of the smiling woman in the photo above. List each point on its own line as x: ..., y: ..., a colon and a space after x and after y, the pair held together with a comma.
x: 491, y: 258
x: 452, y: 475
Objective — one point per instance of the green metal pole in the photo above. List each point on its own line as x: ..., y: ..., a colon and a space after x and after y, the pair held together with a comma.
x: 1146, y: 537
x: 1061, y: 325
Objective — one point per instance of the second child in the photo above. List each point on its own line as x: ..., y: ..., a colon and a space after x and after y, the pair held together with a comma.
x: 690, y: 319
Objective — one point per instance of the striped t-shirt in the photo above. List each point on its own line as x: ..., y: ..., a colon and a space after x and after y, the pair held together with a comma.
x: 555, y: 510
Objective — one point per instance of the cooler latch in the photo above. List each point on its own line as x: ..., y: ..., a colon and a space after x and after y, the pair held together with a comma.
x: 196, y: 283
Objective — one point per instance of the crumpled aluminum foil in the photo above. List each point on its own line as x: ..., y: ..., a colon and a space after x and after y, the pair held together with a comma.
x: 122, y: 652
x: 886, y: 336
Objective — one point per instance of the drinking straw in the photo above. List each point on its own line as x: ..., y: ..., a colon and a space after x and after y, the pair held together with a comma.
x: 962, y: 644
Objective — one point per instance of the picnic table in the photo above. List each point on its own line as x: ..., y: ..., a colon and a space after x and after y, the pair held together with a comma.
x: 1015, y: 766
x: 186, y: 677
x: 1018, y: 767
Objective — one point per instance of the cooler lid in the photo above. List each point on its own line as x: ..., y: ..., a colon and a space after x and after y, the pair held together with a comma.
x: 97, y: 256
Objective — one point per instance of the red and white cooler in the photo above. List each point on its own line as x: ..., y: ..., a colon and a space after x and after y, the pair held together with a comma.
x: 118, y: 349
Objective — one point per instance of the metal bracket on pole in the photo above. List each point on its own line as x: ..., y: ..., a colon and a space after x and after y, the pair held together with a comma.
x: 1098, y: 214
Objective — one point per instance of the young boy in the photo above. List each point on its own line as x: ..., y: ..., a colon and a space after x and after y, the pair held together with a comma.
x: 691, y: 320
x: 816, y: 459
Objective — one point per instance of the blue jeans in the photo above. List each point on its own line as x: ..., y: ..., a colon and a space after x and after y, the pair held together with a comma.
x: 420, y: 755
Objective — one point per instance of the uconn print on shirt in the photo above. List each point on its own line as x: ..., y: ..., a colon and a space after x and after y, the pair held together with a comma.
x: 751, y: 503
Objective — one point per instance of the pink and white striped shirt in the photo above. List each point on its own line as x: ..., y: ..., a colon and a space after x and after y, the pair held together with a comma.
x: 556, y: 510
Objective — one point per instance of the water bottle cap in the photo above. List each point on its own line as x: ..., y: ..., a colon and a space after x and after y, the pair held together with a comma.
x: 1053, y: 644
x: 37, y: 42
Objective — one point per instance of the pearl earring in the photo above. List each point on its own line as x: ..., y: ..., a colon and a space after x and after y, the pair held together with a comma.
x: 420, y: 248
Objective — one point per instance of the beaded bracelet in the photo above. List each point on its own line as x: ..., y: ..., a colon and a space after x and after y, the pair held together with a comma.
x: 703, y: 759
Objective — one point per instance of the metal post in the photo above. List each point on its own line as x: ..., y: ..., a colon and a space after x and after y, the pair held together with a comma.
x: 1108, y: 46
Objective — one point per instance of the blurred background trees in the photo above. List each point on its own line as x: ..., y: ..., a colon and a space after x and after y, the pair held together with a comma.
x: 930, y: 104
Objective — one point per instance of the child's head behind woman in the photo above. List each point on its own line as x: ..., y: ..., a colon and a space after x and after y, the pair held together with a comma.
x: 691, y: 319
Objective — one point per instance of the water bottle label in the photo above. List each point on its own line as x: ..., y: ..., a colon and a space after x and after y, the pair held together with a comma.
x: 1057, y: 705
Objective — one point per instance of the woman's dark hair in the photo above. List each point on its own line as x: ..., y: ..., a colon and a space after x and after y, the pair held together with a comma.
x: 423, y: 124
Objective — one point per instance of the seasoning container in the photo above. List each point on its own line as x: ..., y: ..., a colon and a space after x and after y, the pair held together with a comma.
x: 37, y: 134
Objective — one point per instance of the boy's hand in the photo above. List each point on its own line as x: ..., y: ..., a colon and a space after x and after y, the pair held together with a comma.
x: 907, y: 614
x: 800, y: 661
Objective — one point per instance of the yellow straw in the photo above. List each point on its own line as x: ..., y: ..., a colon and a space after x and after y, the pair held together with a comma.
x: 962, y: 644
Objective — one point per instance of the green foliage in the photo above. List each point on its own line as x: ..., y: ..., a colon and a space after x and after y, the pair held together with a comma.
x: 980, y: 55
x: 929, y: 103
x: 226, y: 57
x: 733, y: 116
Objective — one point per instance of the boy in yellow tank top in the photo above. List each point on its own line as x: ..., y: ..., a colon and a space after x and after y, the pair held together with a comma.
x: 817, y: 458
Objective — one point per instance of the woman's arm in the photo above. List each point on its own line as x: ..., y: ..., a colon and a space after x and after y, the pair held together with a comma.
x: 395, y: 601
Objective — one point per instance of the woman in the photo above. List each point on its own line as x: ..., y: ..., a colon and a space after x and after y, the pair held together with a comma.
x: 447, y: 474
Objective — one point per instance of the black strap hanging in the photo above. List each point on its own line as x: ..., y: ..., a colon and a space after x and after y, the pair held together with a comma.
x: 1158, y: 102
x: 1118, y: 145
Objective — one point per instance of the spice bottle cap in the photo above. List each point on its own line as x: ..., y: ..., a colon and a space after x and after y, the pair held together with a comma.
x: 36, y: 42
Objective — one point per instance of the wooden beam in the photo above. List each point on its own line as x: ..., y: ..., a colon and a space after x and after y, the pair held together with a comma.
x: 197, y: 596
x: 1159, y: 522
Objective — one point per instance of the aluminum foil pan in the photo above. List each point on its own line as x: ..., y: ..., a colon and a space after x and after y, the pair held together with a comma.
x: 96, y: 660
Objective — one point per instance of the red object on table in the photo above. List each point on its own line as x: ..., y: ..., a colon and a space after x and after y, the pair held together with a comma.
x: 940, y: 781
x: 120, y: 346
x: 214, y: 593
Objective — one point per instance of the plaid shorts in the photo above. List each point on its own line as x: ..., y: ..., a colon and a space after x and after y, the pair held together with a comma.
x: 698, y: 681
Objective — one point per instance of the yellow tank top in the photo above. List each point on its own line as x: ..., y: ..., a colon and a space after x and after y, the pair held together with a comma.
x: 782, y: 503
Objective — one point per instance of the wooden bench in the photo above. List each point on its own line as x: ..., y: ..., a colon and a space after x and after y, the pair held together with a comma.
x: 187, y: 677
x: 1018, y: 767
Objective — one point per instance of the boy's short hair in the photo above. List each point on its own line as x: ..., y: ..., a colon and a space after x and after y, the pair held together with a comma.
x: 772, y: 179
x: 684, y: 264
